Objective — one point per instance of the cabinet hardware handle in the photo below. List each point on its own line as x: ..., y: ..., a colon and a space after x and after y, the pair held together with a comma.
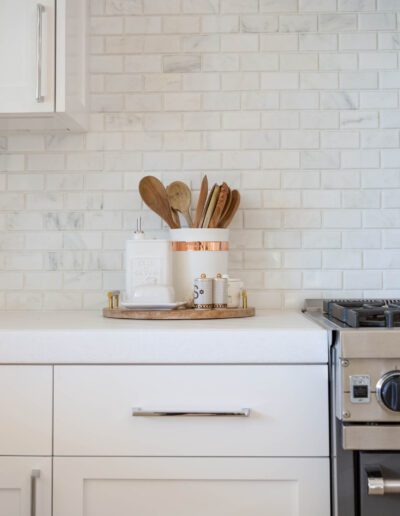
x: 380, y: 486
x: 39, y: 51
x: 34, y: 478
x: 139, y: 412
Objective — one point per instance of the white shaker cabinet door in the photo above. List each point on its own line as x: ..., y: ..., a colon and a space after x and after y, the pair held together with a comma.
x: 25, y: 486
x: 191, y: 487
x: 27, y: 50
x: 26, y: 397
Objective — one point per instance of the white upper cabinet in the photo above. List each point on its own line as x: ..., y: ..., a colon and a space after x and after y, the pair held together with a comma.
x: 27, y: 45
x: 43, y: 64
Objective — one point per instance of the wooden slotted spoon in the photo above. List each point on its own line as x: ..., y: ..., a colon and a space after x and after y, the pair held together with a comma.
x: 153, y: 193
x: 223, y: 195
x: 231, y: 212
x: 180, y: 198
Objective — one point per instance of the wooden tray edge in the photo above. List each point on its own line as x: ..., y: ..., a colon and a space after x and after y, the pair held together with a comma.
x: 189, y: 314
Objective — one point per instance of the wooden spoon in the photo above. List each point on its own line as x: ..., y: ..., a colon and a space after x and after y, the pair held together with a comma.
x: 175, y: 216
x: 220, y: 205
x: 227, y: 204
x: 201, y: 202
x: 233, y: 207
x: 180, y: 199
x: 211, y: 206
x: 153, y: 193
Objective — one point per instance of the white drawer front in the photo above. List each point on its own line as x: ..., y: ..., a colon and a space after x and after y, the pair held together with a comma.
x: 26, y: 410
x: 288, y: 404
x: 191, y: 486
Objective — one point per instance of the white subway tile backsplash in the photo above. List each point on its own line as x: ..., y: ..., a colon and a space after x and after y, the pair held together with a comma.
x: 337, y: 22
x: 358, y: 41
x: 298, y: 23
x: 299, y: 61
x: 278, y: 6
x: 380, y: 139
x: 259, y: 23
x: 302, y: 219
x: 300, y: 179
x: 318, y: 42
x: 24, y: 221
x: 200, y: 6
x: 341, y: 259
x: 142, y: 24
x: 362, y: 280
x: 357, y: 5
x: 220, y: 23
x: 377, y: 60
x: 377, y: 21
x: 389, y: 40
x: 282, y: 280
x: 321, y: 239
x: 341, y: 218
x: 360, y: 159
x: 293, y: 102
x: 363, y: 239
x: 322, y: 280
x: 319, y: 120
x: 239, y: 6
x: 282, y: 239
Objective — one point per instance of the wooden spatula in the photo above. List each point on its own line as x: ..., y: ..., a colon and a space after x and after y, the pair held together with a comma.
x: 206, y: 205
x: 211, y: 206
x: 233, y: 207
x: 180, y: 199
x: 201, y: 202
x: 153, y: 193
x: 220, y: 205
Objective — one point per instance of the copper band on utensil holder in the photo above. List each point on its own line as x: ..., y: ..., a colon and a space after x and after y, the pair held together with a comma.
x: 200, y: 246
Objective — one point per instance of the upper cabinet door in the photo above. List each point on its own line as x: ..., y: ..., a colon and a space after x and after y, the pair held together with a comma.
x: 27, y: 50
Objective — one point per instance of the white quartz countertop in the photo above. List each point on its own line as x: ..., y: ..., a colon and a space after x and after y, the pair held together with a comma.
x: 86, y: 337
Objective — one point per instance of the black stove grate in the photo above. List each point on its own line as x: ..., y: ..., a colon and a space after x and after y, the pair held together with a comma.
x: 370, y: 313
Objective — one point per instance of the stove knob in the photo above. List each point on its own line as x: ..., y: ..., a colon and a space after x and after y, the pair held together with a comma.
x: 388, y: 391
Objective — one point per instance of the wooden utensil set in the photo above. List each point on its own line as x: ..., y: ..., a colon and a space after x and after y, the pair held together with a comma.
x: 215, y: 208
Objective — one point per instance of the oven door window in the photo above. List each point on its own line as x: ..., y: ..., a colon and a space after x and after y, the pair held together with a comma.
x: 379, y: 484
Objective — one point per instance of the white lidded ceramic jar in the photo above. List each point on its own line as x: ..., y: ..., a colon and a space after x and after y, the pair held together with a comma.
x: 197, y: 251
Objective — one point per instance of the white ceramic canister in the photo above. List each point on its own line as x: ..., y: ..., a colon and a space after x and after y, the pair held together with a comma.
x: 147, y: 262
x: 203, y: 293
x: 235, y: 287
x: 196, y: 251
x: 220, y: 291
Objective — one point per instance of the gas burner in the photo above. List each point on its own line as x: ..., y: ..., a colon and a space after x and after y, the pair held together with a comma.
x: 371, y: 313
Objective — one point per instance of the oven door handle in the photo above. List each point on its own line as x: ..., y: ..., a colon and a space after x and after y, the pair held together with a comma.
x: 380, y: 486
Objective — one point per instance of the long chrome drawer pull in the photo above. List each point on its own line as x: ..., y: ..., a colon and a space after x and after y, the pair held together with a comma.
x: 39, y: 52
x: 34, y: 477
x: 380, y: 486
x: 138, y: 412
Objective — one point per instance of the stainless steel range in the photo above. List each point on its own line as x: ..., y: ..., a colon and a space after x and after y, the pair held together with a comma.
x: 365, y: 403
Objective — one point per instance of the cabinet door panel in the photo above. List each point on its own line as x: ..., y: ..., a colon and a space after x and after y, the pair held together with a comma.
x: 26, y: 410
x: 18, y: 56
x: 15, y: 486
x: 289, y: 410
x: 191, y: 486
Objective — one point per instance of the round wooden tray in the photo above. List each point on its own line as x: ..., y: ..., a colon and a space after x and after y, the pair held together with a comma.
x: 179, y: 314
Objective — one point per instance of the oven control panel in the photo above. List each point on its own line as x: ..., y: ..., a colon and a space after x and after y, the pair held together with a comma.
x: 360, y: 389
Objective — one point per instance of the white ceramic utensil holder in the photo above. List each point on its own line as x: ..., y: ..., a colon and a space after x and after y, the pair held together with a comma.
x: 196, y: 251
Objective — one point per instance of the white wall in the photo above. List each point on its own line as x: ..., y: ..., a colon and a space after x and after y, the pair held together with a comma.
x: 294, y: 102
